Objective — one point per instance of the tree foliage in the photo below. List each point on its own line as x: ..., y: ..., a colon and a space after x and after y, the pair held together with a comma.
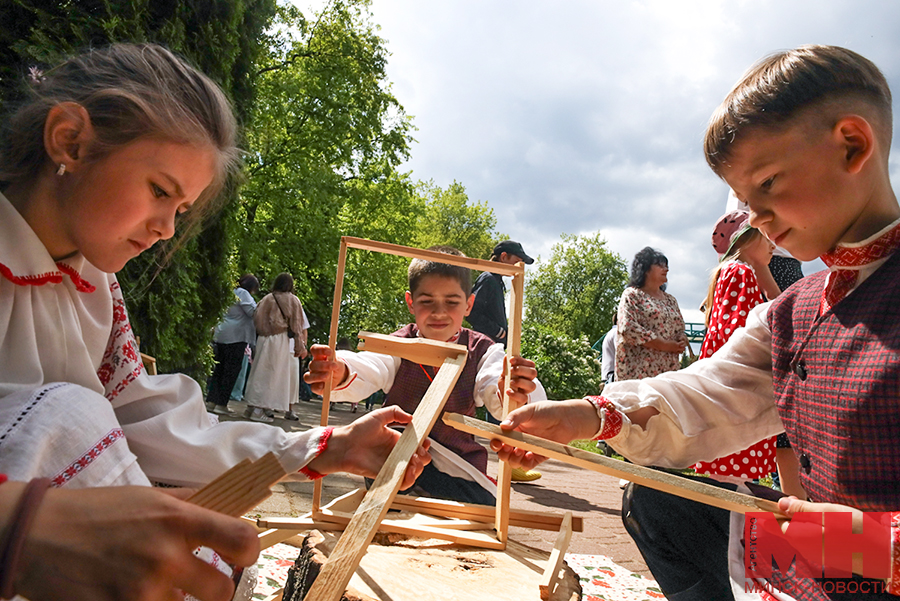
x: 576, y: 292
x: 173, y: 309
x: 567, y: 367
x: 451, y: 219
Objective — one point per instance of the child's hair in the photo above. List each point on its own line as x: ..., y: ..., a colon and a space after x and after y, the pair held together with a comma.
x: 776, y: 88
x: 284, y: 282
x: 130, y: 91
x: 645, y: 259
x: 419, y: 268
x: 733, y: 252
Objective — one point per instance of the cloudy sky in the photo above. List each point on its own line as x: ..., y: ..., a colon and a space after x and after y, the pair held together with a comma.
x: 578, y: 116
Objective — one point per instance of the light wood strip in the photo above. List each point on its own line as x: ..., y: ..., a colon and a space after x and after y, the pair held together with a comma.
x: 332, y: 342
x: 336, y: 573
x: 417, y: 350
x: 431, y: 255
x: 522, y: 518
x: 551, y: 573
x: 241, y: 488
x: 682, y: 487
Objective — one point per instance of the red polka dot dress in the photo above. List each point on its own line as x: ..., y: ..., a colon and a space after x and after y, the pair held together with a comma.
x: 737, y: 292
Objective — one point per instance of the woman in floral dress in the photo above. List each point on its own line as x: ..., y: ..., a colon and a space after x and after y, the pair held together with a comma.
x: 651, y: 334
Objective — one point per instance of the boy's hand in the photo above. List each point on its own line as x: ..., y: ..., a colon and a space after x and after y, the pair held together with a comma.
x: 324, y: 363
x: 363, y: 446
x: 521, y: 383
x: 560, y: 421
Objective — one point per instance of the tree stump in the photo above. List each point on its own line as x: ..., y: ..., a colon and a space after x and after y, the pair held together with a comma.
x: 399, y: 568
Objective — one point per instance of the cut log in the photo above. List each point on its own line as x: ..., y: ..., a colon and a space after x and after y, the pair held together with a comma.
x: 396, y: 568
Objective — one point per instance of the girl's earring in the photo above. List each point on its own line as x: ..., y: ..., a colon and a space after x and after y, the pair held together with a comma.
x: 62, y: 169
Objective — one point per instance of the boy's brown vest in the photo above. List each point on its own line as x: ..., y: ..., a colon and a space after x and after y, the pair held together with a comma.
x: 837, y: 387
x: 411, y: 382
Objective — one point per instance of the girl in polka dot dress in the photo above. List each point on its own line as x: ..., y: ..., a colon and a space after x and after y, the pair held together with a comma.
x: 734, y: 289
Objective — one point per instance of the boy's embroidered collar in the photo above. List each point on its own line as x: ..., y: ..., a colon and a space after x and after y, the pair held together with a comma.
x: 24, y: 260
x: 856, y: 255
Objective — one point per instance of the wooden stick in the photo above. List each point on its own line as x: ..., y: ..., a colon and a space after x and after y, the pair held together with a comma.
x: 241, y: 488
x: 551, y: 573
x: 336, y: 573
x: 431, y: 255
x: 513, y: 336
x: 537, y: 520
x: 332, y: 342
x: 417, y: 350
x: 682, y: 487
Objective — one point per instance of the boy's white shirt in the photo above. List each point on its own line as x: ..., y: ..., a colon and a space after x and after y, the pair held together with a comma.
x: 56, y: 333
x: 369, y: 372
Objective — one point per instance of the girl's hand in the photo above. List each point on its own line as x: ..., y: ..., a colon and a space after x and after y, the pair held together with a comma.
x: 362, y: 447
x: 521, y: 382
x: 560, y: 421
x: 324, y: 363
x: 128, y: 542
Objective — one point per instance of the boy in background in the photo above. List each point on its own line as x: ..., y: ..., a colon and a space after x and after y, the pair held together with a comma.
x: 439, y: 297
x: 803, y: 139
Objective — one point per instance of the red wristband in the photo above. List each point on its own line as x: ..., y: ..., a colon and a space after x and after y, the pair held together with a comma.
x: 323, y: 444
x: 610, y: 418
x: 22, y: 517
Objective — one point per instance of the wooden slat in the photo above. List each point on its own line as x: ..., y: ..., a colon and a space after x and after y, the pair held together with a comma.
x: 551, y: 573
x: 332, y: 343
x: 682, y: 487
x: 417, y: 350
x: 431, y: 255
x: 513, y: 337
x: 241, y: 488
x: 336, y: 573
x: 538, y: 520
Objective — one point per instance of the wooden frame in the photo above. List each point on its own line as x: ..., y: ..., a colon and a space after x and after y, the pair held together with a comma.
x: 517, y: 272
x: 663, y: 481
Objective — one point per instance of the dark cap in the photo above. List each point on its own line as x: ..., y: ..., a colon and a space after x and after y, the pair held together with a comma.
x: 512, y: 247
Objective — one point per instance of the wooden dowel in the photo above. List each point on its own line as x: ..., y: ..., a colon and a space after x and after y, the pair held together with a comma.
x: 682, y: 487
x: 332, y: 343
x: 432, y: 255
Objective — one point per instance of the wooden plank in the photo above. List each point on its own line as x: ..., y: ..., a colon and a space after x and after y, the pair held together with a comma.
x: 551, y: 572
x: 682, y: 487
x: 332, y: 342
x: 276, y: 596
x: 431, y: 255
x: 273, y: 536
x: 538, y: 520
x: 241, y: 488
x: 336, y: 573
x: 513, y: 337
x: 417, y: 350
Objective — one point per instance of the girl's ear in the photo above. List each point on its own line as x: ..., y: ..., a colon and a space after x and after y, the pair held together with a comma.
x: 857, y: 138
x: 68, y: 133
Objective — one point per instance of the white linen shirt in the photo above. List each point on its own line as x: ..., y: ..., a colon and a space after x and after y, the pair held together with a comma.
x: 65, y: 322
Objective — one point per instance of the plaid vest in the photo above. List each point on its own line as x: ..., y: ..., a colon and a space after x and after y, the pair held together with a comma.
x: 412, y: 380
x: 837, y: 387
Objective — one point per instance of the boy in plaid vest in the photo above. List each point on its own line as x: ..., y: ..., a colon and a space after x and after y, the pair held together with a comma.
x: 804, y: 139
x: 439, y: 297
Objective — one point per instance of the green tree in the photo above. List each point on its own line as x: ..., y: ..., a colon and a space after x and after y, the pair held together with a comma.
x: 172, y: 309
x: 325, y: 139
x: 576, y: 292
x: 451, y: 219
x: 567, y: 366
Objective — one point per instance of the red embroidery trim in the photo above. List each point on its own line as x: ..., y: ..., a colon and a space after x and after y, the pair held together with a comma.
x: 349, y: 382
x: 841, y: 280
x: 81, y: 284
x: 612, y: 424
x: 30, y: 280
x: 893, y: 583
x: 323, y: 444
x: 85, y: 460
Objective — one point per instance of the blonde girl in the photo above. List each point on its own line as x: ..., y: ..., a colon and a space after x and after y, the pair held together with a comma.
x: 108, y: 152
